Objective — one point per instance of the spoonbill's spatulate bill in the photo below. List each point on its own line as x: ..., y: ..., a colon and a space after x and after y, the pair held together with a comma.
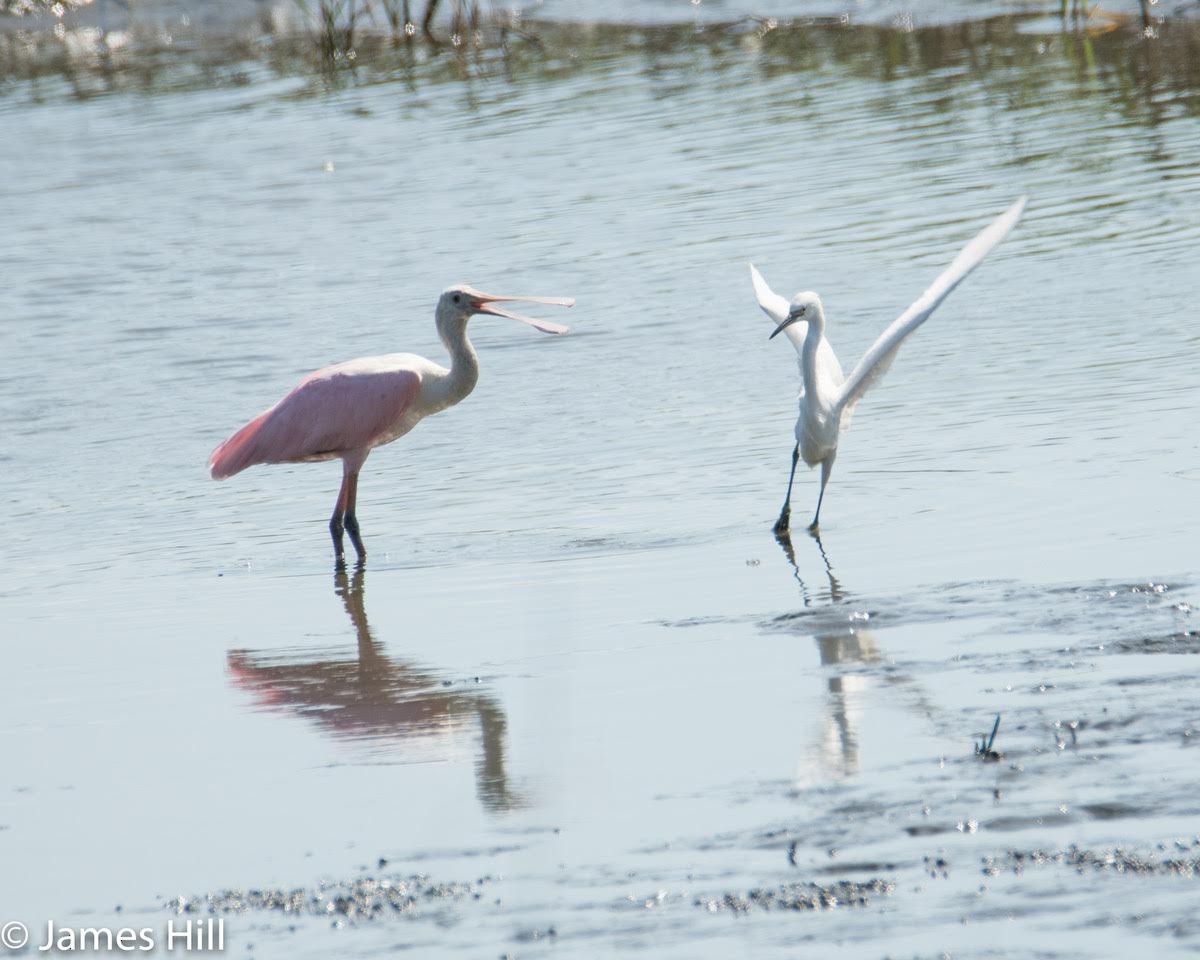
x: 827, y: 397
x: 346, y: 410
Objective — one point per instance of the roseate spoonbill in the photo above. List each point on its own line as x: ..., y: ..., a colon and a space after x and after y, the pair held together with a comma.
x: 346, y: 410
x: 827, y: 398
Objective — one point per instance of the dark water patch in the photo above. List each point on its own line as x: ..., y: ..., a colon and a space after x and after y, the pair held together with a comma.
x: 695, y: 622
x: 1114, y: 723
x: 865, y: 866
x: 1090, y: 617
x: 1112, y: 811
x: 476, y: 853
x: 1182, y: 642
x: 928, y: 829
x: 243, y: 361
x: 1075, y: 754
x: 155, y: 332
x: 1013, y: 824
x: 535, y: 935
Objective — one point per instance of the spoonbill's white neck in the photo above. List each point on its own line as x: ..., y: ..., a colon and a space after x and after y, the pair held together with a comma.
x: 464, y: 363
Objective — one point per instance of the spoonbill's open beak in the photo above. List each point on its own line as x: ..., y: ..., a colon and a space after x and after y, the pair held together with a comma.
x: 486, y: 303
x: 792, y: 318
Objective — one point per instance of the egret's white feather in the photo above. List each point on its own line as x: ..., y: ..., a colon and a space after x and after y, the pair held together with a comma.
x: 776, y: 307
x: 879, y: 357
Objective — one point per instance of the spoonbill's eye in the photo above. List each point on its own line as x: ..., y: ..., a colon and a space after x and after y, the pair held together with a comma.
x: 457, y: 298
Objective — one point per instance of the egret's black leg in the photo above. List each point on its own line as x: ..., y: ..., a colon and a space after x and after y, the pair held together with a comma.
x: 785, y: 515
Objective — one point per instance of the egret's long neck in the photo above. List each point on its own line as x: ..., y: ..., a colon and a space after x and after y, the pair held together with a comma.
x: 812, y: 342
x: 464, y: 366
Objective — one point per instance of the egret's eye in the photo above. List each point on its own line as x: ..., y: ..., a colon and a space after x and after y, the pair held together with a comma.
x: 457, y: 298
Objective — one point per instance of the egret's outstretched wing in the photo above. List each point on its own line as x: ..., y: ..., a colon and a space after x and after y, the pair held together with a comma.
x: 773, y: 305
x: 776, y: 307
x: 876, y: 361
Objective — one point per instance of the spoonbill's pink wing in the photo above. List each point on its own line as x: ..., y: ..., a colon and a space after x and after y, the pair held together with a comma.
x: 345, y: 407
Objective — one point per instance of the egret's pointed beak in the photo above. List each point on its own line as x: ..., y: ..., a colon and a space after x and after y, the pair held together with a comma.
x: 486, y: 303
x: 792, y: 318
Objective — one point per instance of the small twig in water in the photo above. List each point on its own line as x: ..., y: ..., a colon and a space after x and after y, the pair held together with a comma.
x: 983, y: 749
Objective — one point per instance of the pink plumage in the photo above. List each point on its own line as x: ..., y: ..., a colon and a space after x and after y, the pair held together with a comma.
x: 340, y: 411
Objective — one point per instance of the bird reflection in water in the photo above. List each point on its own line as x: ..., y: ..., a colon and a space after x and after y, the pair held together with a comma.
x: 840, y: 641
x: 370, y: 696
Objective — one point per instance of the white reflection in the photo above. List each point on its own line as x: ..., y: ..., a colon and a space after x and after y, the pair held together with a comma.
x: 841, y: 642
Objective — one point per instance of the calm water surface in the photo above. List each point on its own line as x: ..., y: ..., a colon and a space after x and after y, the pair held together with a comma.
x: 578, y: 664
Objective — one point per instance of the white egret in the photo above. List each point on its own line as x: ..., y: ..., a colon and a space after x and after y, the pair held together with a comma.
x: 827, y: 397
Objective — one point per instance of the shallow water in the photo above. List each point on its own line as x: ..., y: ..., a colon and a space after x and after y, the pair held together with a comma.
x: 578, y: 664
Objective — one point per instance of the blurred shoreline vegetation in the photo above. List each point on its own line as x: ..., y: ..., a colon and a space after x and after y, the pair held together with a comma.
x: 87, y: 48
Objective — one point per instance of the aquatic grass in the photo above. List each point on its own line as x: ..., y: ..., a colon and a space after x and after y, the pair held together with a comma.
x: 399, y: 18
x: 336, y: 23
x: 151, y: 58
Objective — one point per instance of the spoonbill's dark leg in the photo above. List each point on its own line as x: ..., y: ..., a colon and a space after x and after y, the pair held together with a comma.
x: 351, y: 520
x: 336, y: 529
x: 785, y: 515
x: 826, y: 470
x: 337, y: 523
